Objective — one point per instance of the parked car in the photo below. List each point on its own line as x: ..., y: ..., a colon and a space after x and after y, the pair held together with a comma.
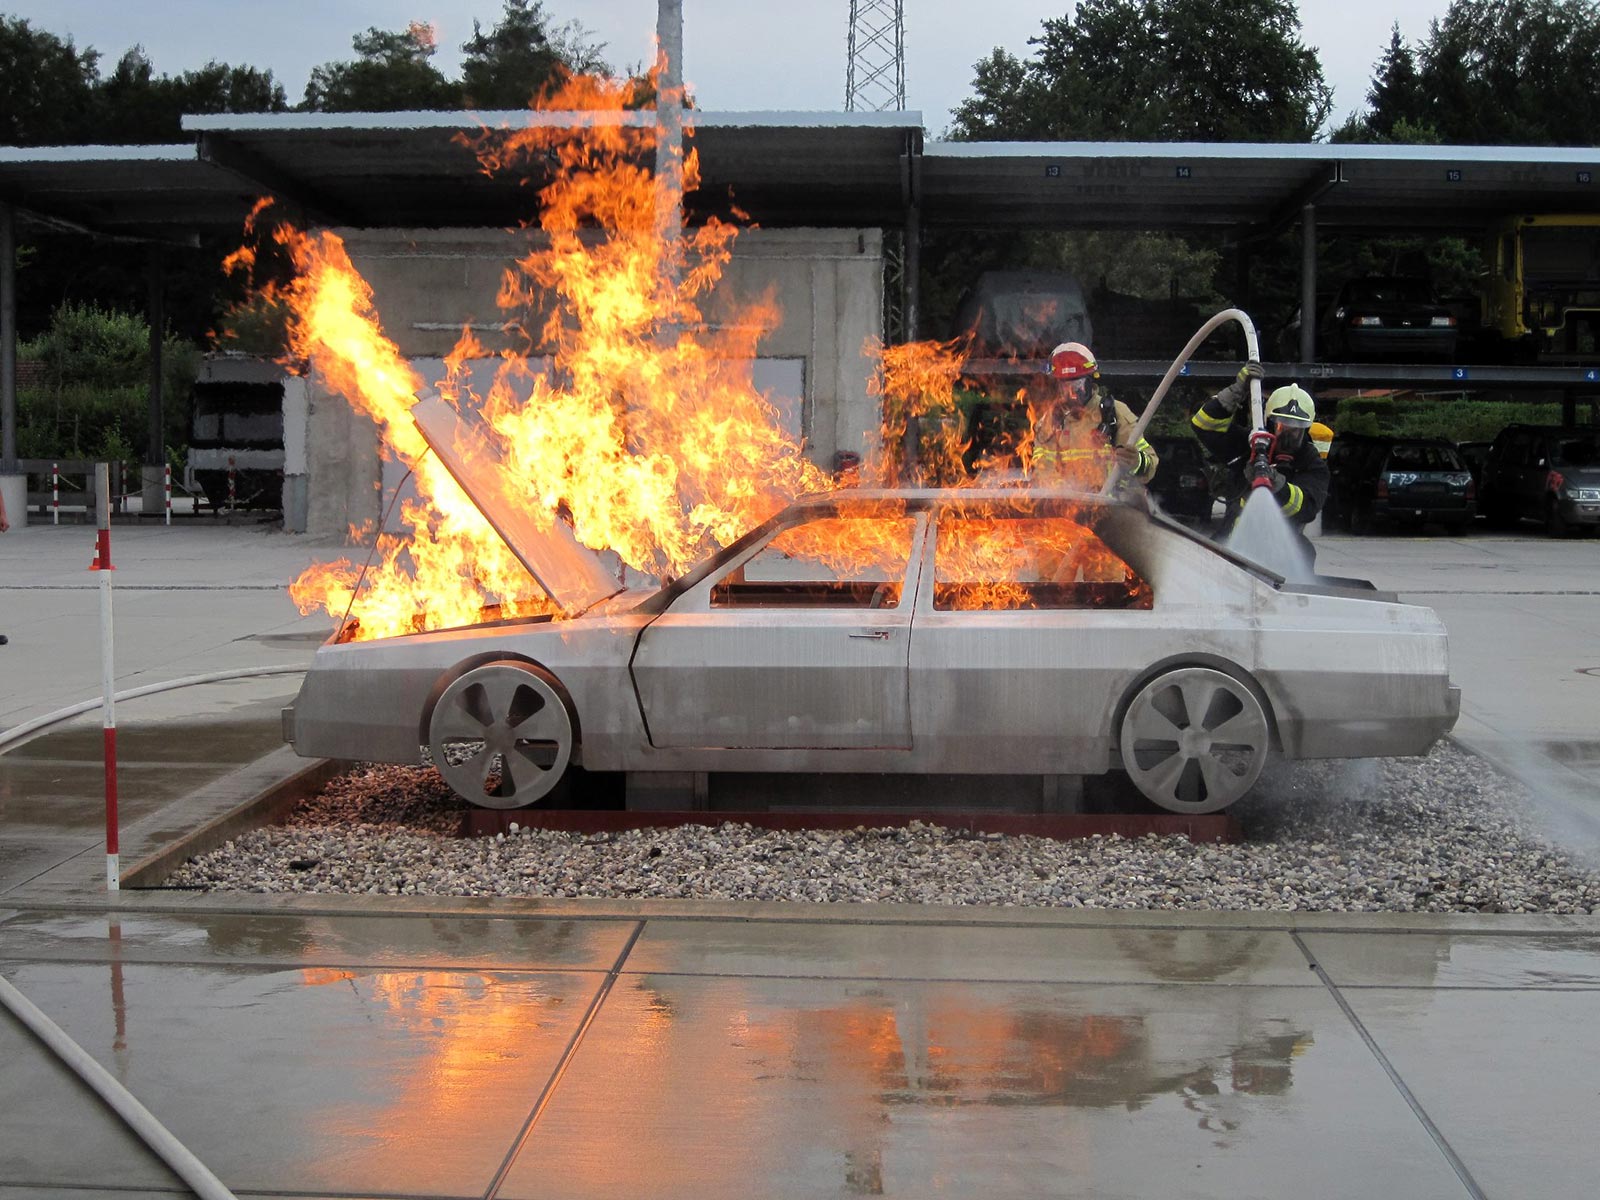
x: 1385, y: 316
x: 1385, y: 481
x: 1022, y: 314
x: 965, y: 631
x: 1544, y: 473
x: 1182, y: 484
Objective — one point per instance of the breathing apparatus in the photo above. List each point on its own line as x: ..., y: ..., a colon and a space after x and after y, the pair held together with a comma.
x: 1074, y: 360
x: 1289, y: 407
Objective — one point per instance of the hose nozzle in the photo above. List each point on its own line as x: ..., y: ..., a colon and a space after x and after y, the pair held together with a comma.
x: 1262, y: 444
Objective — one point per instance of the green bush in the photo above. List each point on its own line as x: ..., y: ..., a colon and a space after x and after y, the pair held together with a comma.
x: 1456, y: 419
x: 94, y: 401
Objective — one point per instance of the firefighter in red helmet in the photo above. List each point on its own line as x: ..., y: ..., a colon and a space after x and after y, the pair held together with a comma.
x: 1075, y: 428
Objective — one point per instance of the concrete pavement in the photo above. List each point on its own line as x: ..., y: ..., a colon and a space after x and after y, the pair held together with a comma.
x: 699, y: 1050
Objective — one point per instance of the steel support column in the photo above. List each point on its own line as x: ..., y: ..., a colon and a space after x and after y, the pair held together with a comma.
x: 1308, y: 283
x: 669, y: 118
x: 155, y: 450
x: 8, y: 341
x: 911, y: 282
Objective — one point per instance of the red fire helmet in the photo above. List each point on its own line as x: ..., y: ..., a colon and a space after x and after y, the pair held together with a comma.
x: 1073, y: 360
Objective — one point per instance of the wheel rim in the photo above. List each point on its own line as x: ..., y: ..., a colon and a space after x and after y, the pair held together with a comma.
x: 501, y: 736
x: 1194, y: 740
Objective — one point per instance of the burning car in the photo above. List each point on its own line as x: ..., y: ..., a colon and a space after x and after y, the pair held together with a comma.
x: 965, y: 631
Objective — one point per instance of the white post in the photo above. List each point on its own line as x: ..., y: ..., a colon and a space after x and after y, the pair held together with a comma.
x: 55, y: 493
x: 669, y: 120
x: 108, y: 699
x: 166, y: 489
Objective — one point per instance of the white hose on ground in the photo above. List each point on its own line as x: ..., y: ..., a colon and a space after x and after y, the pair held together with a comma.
x: 14, y: 735
x: 138, y: 1118
x: 1252, y: 351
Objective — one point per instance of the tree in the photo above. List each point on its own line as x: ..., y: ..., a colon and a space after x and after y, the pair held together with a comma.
x: 1513, y: 72
x: 1396, y: 93
x: 522, y: 56
x: 391, y: 73
x: 45, y: 87
x: 220, y: 88
x: 1156, y: 70
x: 135, y: 105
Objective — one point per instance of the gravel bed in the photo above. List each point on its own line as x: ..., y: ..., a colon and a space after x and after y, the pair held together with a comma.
x: 1444, y: 833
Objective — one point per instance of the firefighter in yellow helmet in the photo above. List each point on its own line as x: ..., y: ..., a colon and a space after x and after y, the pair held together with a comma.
x: 1074, y: 428
x: 1285, y: 461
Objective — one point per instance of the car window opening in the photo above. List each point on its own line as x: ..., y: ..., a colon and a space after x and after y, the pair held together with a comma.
x: 833, y: 562
x: 1030, y: 563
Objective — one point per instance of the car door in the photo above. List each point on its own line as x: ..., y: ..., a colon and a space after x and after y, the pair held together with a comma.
x: 801, y: 643
x: 1028, y: 628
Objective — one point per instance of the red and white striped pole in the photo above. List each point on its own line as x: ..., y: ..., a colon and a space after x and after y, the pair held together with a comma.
x: 55, y: 493
x: 166, y: 488
x: 102, y: 563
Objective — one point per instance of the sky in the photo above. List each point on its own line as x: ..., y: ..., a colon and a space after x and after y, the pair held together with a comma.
x: 738, y: 54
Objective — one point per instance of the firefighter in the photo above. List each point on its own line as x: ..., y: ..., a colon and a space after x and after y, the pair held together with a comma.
x: 1073, y: 429
x: 1295, y: 472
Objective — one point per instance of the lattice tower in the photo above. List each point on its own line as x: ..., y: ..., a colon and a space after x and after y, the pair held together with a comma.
x: 875, y: 78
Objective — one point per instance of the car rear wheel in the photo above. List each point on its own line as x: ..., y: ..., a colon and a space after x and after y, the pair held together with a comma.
x: 1194, y: 739
x: 501, y: 735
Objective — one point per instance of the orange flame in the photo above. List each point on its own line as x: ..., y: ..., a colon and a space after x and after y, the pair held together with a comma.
x: 641, y: 427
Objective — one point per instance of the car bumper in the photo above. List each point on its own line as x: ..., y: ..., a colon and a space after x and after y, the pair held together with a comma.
x: 1424, y: 508
x: 1579, y: 512
x: 1388, y: 343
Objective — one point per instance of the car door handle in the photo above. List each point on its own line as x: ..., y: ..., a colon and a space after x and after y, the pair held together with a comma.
x: 877, y: 635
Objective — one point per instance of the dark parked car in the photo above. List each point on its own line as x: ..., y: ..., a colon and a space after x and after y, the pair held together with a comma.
x: 1545, y: 473
x: 1182, y: 484
x: 1384, y: 316
x: 1384, y: 481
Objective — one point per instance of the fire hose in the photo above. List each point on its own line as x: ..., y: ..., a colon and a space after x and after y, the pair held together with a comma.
x: 123, y: 1102
x: 18, y: 733
x: 1252, y: 352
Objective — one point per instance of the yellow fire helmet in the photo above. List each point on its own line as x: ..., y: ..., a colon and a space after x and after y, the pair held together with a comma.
x: 1321, y: 437
x: 1291, y: 405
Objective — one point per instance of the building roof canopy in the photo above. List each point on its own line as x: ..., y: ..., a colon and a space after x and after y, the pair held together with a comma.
x: 784, y: 169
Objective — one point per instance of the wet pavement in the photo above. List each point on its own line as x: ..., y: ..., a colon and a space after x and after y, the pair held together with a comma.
x: 480, y: 1049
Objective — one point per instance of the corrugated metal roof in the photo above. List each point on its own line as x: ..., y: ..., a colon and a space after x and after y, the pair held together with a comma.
x: 785, y: 169
x: 1151, y: 185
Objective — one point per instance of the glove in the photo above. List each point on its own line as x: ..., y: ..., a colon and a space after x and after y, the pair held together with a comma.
x: 1128, y: 456
x: 1275, y: 480
x: 1233, y: 395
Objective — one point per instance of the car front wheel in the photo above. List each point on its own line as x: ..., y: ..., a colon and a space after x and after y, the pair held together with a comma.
x: 501, y: 735
x: 1194, y: 739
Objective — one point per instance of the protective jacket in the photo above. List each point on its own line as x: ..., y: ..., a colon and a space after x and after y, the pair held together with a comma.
x: 1068, y: 445
x: 1225, y: 437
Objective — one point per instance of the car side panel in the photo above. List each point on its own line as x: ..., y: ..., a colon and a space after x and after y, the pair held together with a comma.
x: 370, y: 700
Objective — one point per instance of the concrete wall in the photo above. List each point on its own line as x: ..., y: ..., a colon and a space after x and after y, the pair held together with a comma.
x: 427, y: 284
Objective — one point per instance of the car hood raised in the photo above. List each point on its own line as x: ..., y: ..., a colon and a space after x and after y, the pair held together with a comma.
x: 571, y: 573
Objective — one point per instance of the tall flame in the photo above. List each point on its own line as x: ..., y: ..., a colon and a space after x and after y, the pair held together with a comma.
x: 619, y: 409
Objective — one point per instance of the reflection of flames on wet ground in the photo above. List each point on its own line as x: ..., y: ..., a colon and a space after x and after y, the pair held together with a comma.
x: 646, y: 433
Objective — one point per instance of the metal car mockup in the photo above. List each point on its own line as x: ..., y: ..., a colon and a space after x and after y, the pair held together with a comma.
x: 963, y: 631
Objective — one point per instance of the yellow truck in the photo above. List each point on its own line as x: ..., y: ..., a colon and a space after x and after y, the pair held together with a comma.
x: 1540, y: 293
